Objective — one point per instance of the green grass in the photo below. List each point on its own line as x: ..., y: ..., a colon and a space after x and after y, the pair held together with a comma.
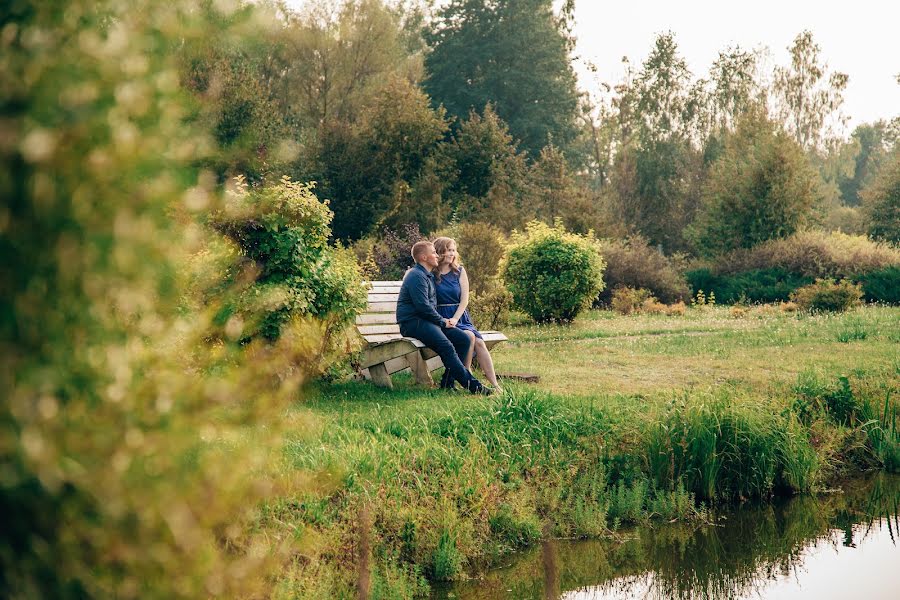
x: 635, y: 418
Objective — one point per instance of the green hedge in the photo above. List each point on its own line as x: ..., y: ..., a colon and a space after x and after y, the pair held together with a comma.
x: 882, y: 285
x: 761, y: 285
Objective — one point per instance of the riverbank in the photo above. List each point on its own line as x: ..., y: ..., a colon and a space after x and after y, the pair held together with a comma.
x: 636, y: 418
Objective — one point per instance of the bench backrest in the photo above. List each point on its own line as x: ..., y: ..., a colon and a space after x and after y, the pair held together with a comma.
x: 379, y: 322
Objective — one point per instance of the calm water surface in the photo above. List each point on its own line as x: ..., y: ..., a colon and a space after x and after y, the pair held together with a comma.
x: 839, y: 545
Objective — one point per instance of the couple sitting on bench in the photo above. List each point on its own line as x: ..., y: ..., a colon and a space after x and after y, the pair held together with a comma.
x: 418, y: 317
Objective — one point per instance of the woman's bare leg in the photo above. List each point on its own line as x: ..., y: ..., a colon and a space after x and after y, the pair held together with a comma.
x: 485, y: 361
x: 467, y: 360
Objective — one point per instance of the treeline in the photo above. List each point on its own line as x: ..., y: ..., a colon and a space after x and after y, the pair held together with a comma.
x: 471, y: 112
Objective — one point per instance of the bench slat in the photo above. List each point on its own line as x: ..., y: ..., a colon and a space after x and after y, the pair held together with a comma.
x: 372, y: 329
x: 377, y: 296
x: 382, y: 307
x: 376, y: 319
x: 382, y: 337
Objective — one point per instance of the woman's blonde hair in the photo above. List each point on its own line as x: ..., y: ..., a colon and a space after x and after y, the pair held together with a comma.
x: 440, y: 246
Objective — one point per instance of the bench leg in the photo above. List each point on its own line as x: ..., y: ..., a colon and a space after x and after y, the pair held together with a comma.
x: 419, y: 369
x: 380, y: 376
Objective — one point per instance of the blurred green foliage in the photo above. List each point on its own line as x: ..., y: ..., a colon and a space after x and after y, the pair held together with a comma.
x: 130, y: 464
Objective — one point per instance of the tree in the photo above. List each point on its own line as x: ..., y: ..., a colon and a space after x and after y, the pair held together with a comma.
x: 808, y: 97
x: 558, y: 195
x: 870, y: 145
x: 388, y: 168
x: 235, y: 81
x: 491, y: 183
x: 339, y: 53
x: 657, y: 166
x: 761, y: 188
x: 881, y: 201
x: 735, y: 87
x: 512, y: 54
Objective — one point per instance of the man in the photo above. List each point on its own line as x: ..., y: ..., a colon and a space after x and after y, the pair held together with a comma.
x: 418, y: 318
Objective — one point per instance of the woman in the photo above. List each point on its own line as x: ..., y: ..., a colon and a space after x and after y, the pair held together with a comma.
x: 452, y: 286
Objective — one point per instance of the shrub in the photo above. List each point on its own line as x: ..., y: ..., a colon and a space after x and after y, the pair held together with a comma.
x: 127, y: 471
x: 283, y: 231
x: 882, y: 285
x: 634, y: 263
x: 627, y: 300
x: 813, y: 254
x: 826, y: 295
x: 552, y: 275
x: 490, y: 310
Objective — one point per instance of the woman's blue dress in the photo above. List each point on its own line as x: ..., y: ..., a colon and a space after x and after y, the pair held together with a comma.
x: 448, y: 296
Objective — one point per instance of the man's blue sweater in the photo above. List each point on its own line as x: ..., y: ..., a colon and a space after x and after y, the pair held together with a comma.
x: 418, y: 298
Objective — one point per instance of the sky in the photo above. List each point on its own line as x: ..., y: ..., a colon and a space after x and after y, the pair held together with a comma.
x: 860, y: 38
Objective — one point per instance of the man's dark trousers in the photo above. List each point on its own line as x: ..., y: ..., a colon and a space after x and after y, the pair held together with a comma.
x: 449, y: 343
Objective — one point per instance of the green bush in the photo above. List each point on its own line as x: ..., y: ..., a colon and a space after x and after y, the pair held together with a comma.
x: 552, y: 275
x: 282, y: 234
x: 632, y: 262
x: 882, y: 285
x: 762, y: 285
x: 828, y: 295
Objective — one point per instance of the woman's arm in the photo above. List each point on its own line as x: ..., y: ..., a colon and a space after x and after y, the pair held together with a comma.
x: 463, y: 295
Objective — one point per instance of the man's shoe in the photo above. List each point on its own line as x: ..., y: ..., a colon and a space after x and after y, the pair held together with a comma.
x: 476, y: 387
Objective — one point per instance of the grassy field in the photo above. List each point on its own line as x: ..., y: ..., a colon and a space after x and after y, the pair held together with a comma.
x: 607, y: 353
x: 635, y: 418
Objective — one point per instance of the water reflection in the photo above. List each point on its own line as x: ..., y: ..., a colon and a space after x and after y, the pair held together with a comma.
x: 836, y: 546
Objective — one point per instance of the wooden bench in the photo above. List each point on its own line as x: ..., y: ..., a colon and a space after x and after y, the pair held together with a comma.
x: 387, y: 352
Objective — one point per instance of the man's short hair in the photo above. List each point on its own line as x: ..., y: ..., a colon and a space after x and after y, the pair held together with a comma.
x: 420, y: 248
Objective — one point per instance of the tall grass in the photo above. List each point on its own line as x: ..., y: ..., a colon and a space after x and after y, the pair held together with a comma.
x: 720, y: 449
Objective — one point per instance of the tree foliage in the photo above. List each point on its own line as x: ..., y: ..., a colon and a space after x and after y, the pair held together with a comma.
x: 125, y: 467
x: 511, y: 54
x: 388, y: 167
x: 657, y: 164
x: 808, y: 96
x: 761, y: 188
x: 881, y: 202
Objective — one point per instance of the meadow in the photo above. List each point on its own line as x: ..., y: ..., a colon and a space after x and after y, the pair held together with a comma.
x: 635, y: 418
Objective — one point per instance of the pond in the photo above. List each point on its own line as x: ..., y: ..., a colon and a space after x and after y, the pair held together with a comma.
x: 843, y: 544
